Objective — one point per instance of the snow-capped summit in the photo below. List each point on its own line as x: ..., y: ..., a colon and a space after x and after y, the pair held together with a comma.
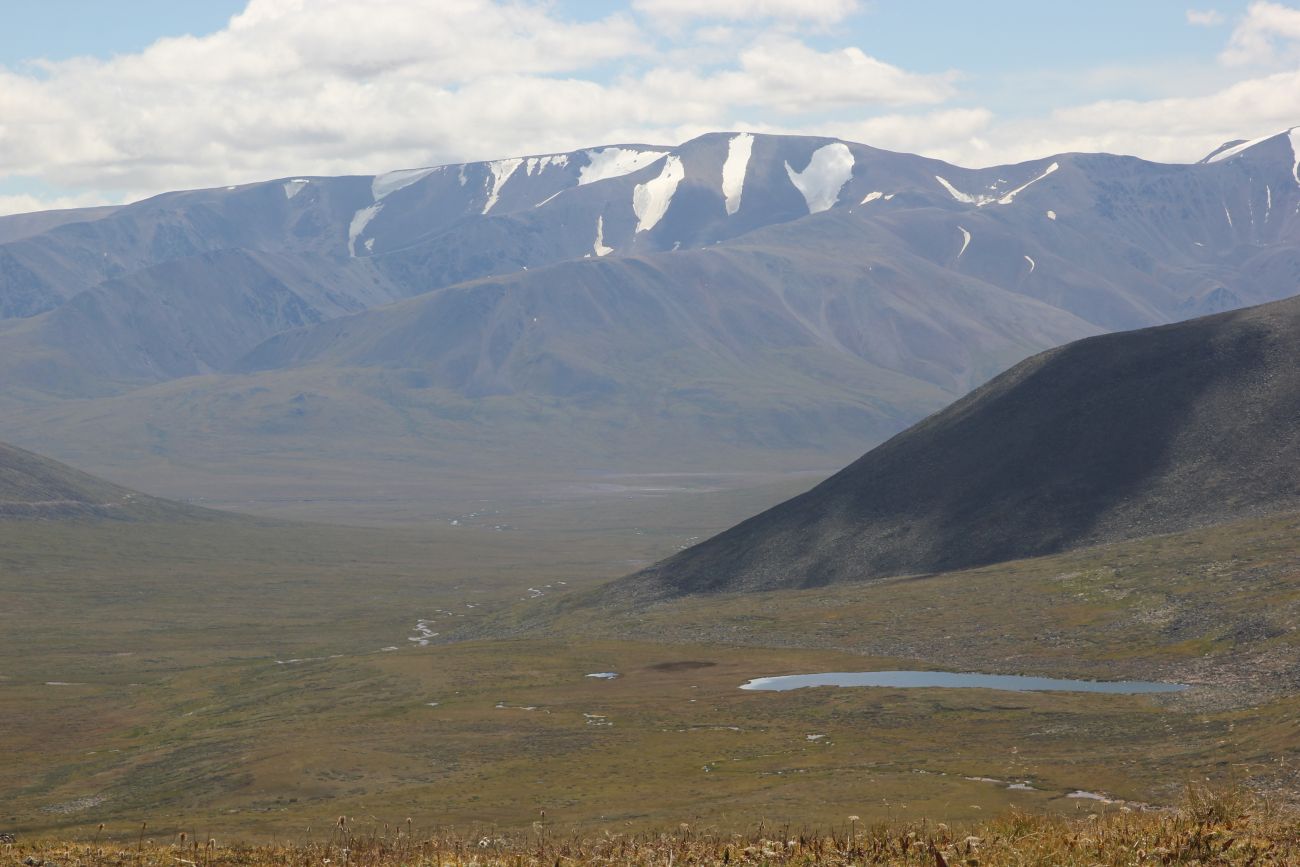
x: 1286, y: 142
x: 795, y: 292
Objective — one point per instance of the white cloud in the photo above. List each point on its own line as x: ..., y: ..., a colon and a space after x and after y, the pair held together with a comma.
x: 787, y: 76
x: 819, y: 11
x: 1178, y: 129
x: 955, y: 135
x: 25, y: 202
x: 287, y: 89
x: 1204, y: 17
x: 327, y: 87
x: 1269, y: 32
x: 334, y: 87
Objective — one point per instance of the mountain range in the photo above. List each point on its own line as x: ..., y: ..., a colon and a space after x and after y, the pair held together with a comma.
x: 736, y: 301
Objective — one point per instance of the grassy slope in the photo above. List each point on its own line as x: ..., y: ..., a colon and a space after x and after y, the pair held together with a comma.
x: 33, y: 486
x: 1114, y: 437
x: 1213, y: 828
x: 747, y: 367
x: 1219, y: 605
x: 366, y: 438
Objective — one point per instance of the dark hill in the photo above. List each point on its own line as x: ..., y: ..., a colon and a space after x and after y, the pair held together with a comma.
x: 1113, y: 437
x: 32, y: 486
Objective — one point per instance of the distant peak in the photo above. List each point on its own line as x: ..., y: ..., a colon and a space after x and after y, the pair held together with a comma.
x: 1230, y: 149
x: 1227, y: 145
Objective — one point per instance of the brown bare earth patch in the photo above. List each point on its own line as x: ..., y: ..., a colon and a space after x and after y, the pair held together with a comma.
x: 682, y: 665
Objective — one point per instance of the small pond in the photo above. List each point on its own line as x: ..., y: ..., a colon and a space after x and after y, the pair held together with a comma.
x: 955, y: 680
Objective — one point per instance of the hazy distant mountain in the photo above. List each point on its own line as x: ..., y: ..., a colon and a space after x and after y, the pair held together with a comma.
x: 181, y: 317
x: 706, y: 304
x: 1109, y: 438
x: 35, y: 487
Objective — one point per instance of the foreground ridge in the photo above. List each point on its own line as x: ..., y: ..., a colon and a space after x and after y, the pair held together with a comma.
x: 1122, y: 436
x: 1224, y: 828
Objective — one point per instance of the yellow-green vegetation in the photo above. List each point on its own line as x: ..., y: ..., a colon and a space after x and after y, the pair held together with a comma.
x: 1218, y: 606
x: 1210, y: 829
x: 491, y: 732
x: 233, y: 682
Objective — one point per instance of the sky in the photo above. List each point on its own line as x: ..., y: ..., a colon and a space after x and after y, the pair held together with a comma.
x: 102, y: 103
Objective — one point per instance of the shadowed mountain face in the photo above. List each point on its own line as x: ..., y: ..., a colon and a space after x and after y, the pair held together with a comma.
x: 735, y: 301
x: 1109, y: 438
x: 32, y: 486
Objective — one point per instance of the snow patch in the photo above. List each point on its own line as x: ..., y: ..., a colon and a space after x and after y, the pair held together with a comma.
x: 294, y: 187
x: 1032, y: 264
x: 1010, y: 197
x: 423, y: 633
x: 980, y: 200
x: 1236, y: 149
x: 501, y: 171
x: 615, y: 162
x: 965, y: 240
x: 599, y: 248
x: 733, y: 170
x: 547, y: 199
x: 829, y: 169
x: 1293, y: 135
x: 964, y: 198
x: 359, y: 222
x: 650, y: 200
x: 385, y: 185
x: 541, y: 164
x: 871, y: 197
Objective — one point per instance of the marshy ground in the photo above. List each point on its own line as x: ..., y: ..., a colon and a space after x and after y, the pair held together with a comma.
x: 237, y: 682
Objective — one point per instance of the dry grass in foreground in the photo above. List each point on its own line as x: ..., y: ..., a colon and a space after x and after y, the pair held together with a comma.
x: 1211, y: 829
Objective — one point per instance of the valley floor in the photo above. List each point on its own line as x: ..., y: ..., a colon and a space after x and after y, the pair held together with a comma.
x: 256, y: 681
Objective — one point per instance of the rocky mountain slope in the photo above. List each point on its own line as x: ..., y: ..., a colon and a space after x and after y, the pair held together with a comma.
x: 1113, y: 437
x: 732, y: 301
